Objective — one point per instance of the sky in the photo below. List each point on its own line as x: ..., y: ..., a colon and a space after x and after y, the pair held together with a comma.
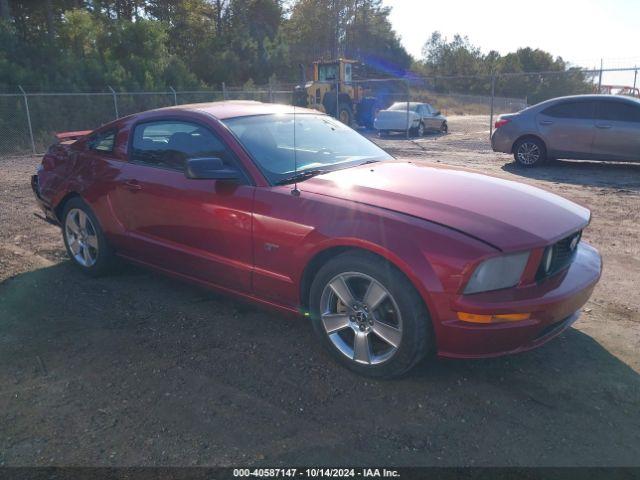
x: 580, y: 31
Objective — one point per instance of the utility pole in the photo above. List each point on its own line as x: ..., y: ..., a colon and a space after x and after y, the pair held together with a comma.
x: 406, y: 85
x: 338, y: 93
x: 600, y: 78
x: 493, y: 96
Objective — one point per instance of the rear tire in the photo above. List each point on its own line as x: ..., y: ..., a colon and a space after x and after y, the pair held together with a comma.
x: 84, y: 239
x: 529, y: 152
x: 378, y: 325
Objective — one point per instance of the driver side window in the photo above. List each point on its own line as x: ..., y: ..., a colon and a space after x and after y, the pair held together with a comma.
x: 170, y: 143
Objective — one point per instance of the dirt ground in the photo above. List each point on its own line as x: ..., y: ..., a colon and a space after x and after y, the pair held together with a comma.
x: 138, y: 369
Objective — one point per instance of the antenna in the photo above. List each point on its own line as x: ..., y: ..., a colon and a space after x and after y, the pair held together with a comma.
x: 295, y: 192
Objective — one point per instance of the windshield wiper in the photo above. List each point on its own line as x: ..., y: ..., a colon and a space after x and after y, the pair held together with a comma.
x: 301, y: 176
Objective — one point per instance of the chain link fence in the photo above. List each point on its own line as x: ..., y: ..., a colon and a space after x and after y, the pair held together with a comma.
x: 29, y: 120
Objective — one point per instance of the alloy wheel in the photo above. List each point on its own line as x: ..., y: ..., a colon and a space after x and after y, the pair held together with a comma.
x: 81, y: 237
x: 528, y: 153
x: 421, y: 130
x: 361, y: 318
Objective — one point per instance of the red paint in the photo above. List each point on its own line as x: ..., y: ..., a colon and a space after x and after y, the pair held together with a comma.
x: 255, y: 240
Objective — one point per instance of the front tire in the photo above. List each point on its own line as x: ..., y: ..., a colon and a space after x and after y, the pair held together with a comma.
x: 529, y: 152
x: 84, y: 239
x: 369, y: 316
x: 420, y: 130
x: 345, y: 114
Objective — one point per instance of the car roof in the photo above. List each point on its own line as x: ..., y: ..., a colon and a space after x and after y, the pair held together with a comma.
x: 412, y: 104
x: 592, y: 96
x: 596, y: 96
x: 238, y: 108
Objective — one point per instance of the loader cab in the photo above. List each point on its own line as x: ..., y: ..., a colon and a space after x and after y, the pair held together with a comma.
x: 340, y: 70
x: 331, y: 89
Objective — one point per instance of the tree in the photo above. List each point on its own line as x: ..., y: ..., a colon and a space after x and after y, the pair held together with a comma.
x: 358, y: 29
x: 467, y: 70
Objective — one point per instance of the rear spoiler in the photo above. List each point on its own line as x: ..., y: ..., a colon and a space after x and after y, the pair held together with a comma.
x: 66, y: 136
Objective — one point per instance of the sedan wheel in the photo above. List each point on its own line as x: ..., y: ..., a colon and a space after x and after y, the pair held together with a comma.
x: 81, y: 237
x: 365, y: 326
x: 529, y: 152
x: 421, y: 130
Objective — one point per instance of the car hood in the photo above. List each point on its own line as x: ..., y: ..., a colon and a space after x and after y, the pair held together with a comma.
x: 508, y: 215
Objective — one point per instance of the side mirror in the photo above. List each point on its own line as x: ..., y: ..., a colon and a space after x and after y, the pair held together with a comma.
x: 436, y: 113
x: 209, y: 168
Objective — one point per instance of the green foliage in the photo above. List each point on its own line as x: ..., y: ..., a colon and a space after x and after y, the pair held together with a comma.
x: 138, y: 44
x: 458, y: 57
x: 150, y: 44
x: 356, y: 29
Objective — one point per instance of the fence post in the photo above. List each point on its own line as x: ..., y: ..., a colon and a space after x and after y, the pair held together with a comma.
x: 493, y: 96
x: 635, y: 78
x: 406, y: 84
x: 115, y: 100
x: 224, y: 91
x: 270, y: 91
x: 26, y: 107
x: 175, y: 96
x: 338, y: 93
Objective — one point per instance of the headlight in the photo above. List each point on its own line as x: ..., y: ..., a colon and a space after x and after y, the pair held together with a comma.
x: 497, y: 272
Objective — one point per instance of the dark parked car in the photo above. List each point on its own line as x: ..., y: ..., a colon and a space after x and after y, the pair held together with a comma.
x: 586, y: 127
x: 392, y: 260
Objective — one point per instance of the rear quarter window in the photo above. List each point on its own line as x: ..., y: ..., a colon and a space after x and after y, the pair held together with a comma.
x: 103, y: 142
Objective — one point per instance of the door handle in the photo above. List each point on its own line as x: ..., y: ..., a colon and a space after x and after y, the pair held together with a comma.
x: 546, y: 122
x: 603, y: 125
x: 133, y: 185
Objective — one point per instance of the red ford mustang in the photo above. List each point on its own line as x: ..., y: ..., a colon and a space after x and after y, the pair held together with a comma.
x: 390, y: 259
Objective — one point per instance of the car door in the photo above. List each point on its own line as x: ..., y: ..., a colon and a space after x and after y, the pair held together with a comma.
x: 429, y: 117
x: 197, y: 228
x: 568, y: 128
x: 422, y: 113
x: 617, y: 134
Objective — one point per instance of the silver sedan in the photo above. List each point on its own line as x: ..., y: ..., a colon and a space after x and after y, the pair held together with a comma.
x: 585, y: 127
x: 418, y: 118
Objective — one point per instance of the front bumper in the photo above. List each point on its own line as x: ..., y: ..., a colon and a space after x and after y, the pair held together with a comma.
x: 554, y: 305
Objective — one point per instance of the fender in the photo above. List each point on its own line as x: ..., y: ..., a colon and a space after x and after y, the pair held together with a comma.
x: 420, y: 276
